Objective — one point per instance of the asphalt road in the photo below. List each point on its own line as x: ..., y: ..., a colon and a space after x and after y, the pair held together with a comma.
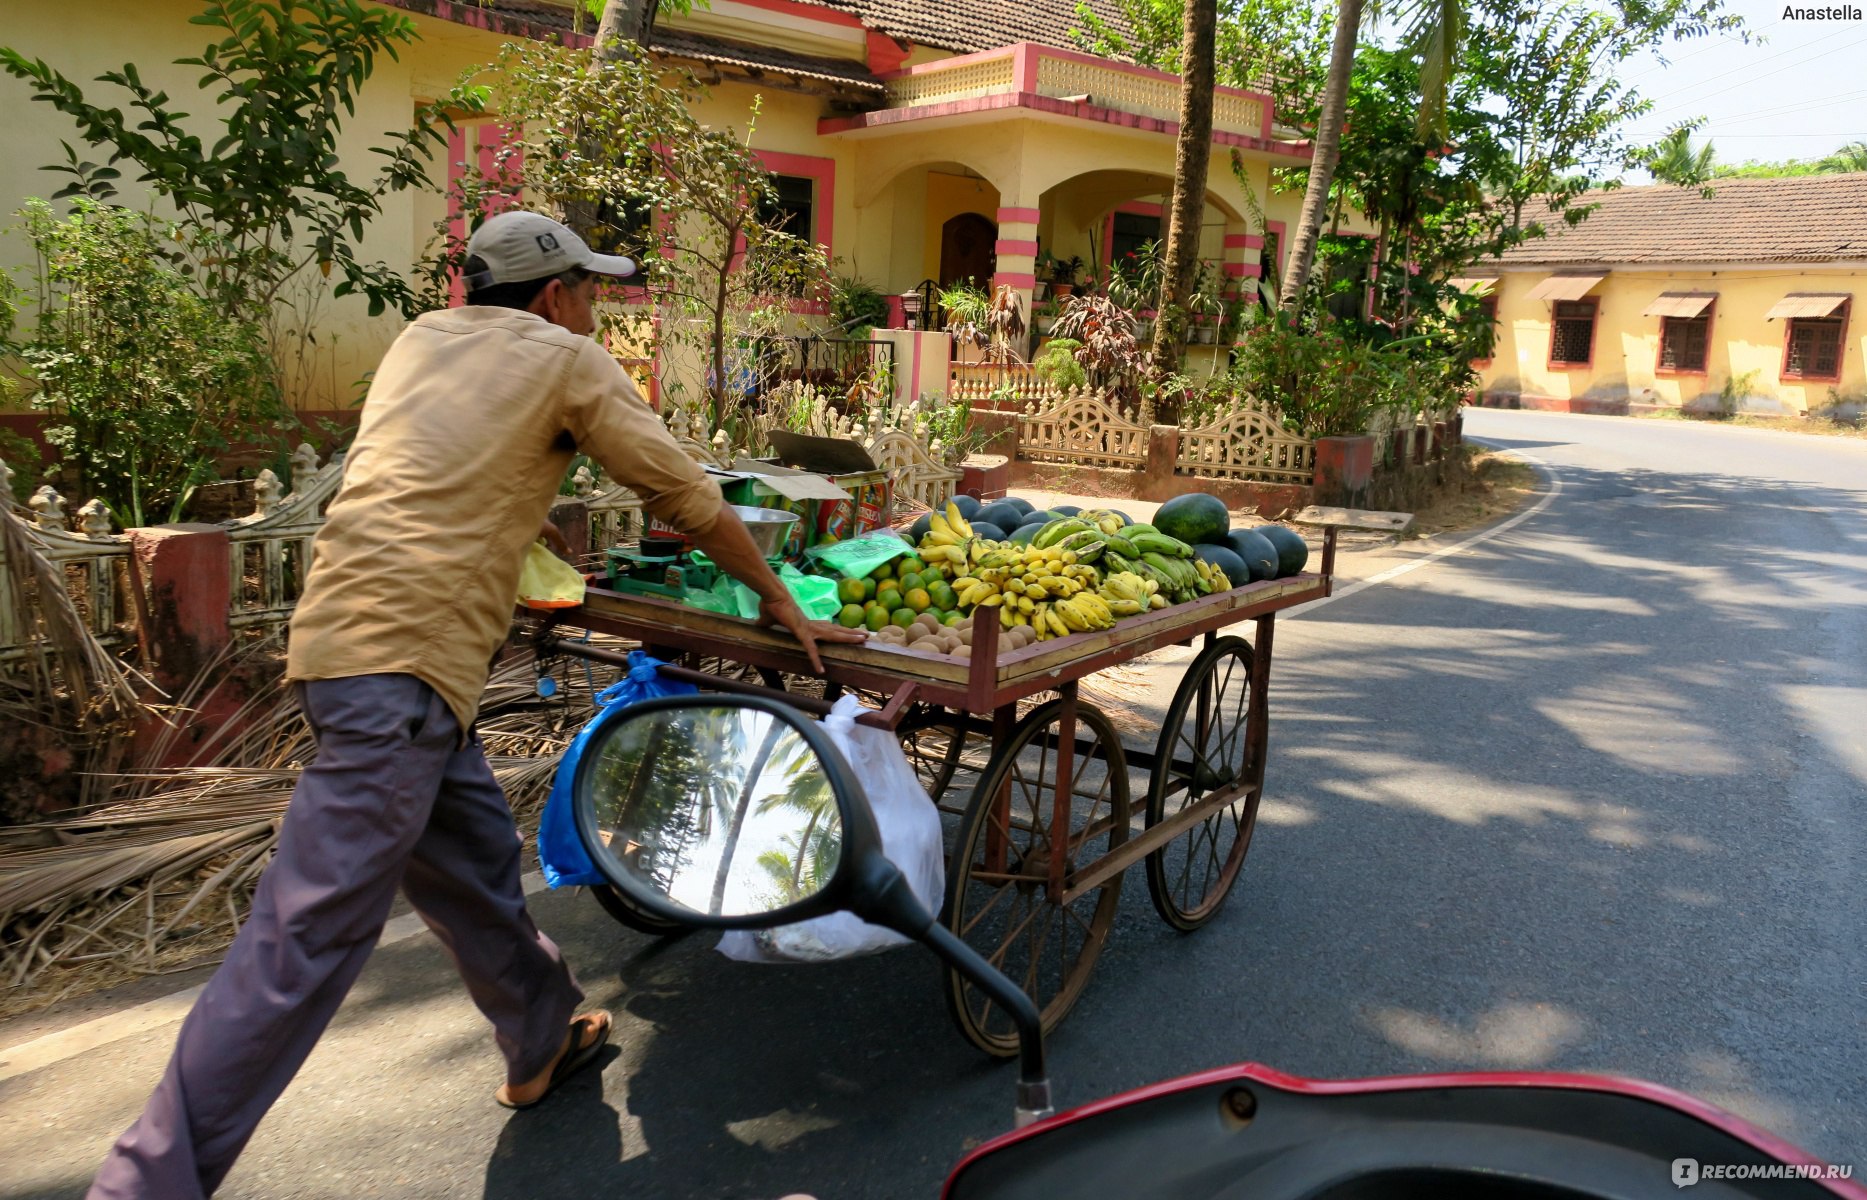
x: 1588, y: 795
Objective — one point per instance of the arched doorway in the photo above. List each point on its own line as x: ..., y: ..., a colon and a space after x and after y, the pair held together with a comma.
x: 968, y: 250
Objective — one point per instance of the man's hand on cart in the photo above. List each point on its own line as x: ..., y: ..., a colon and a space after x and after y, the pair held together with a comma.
x: 730, y: 546
x: 784, y: 612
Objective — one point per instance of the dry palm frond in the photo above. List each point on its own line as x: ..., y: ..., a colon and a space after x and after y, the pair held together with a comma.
x: 71, y: 679
x: 163, y: 872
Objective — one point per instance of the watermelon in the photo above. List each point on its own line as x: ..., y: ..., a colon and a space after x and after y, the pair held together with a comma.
x: 989, y: 531
x: 920, y: 528
x: 1067, y: 510
x: 1022, y: 535
x: 1223, y: 558
x: 967, y: 505
x: 1194, y: 518
x: 1001, y: 514
x: 1024, y: 506
x: 1292, y: 550
x: 1256, y: 551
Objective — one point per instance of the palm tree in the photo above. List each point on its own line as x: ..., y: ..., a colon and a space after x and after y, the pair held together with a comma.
x: 1192, y: 158
x: 1435, y: 31
x: 1851, y: 157
x: 1327, y: 149
x: 1675, y: 161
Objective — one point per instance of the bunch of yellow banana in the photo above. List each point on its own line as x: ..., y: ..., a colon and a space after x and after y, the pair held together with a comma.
x: 1019, y: 579
x: 1127, y: 593
x: 949, y: 537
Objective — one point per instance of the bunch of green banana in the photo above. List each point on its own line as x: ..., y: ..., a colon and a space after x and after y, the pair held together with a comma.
x: 1102, y: 519
x: 1128, y: 593
x: 1177, y: 577
x: 1153, y: 541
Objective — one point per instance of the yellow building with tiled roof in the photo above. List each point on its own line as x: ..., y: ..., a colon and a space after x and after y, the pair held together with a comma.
x: 1665, y: 297
x: 916, y: 141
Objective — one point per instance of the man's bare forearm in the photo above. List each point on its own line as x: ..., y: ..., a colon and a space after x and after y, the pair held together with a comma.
x: 729, y: 544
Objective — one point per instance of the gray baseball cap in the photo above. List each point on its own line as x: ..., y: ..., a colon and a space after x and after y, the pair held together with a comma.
x: 518, y: 247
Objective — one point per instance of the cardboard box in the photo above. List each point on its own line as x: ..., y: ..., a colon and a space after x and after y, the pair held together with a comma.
x: 864, y: 499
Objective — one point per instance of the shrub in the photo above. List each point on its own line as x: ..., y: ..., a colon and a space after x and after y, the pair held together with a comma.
x: 1056, y: 365
x: 144, y: 381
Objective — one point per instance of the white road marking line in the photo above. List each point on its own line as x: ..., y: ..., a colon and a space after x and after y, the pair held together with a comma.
x: 164, y: 1010
x: 1555, y: 489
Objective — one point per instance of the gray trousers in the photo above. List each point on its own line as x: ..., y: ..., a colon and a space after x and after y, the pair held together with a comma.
x: 393, y: 797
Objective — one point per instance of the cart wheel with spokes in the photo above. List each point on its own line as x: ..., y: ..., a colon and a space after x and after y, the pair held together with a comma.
x: 998, y: 895
x: 1204, y: 749
x: 624, y: 910
x: 942, y: 752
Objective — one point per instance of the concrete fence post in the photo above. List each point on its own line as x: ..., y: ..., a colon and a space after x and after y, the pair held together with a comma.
x: 185, y: 577
x: 1163, y: 457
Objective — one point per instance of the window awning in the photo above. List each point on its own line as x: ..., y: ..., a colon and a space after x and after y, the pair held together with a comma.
x: 1807, y: 304
x: 1471, y: 283
x: 1565, y: 287
x: 1680, y: 304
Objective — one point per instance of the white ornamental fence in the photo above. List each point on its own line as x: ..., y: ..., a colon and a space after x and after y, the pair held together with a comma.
x: 271, y: 547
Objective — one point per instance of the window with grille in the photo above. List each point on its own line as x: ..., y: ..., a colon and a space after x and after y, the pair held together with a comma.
x: 626, y: 228
x: 1814, y: 349
x: 1683, y: 341
x: 790, y: 206
x: 1572, y: 333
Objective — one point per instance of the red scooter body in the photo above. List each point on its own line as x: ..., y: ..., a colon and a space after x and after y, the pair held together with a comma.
x: 1251, y: 1133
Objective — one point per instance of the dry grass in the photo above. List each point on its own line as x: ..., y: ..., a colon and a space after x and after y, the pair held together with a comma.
x: 1493, y: 485
x: 1815, y: 425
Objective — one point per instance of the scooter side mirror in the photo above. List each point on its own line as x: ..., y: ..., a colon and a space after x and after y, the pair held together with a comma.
x: 738, y: 812
x: 725, y: 813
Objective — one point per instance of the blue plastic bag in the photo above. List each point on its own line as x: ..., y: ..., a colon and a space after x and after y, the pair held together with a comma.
x: 560, y: 850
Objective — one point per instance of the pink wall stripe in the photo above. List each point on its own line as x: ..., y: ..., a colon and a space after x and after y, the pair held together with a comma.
x: 1005, y: 279
x: 1243, y: 241
x: 1014, y: 246
x: 1018, y: 216
x: 1244, y: 270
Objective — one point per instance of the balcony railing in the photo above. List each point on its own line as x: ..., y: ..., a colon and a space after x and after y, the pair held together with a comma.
x: 1068, y: 75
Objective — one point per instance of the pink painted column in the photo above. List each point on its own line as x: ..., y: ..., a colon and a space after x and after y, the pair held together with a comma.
x: 1017, y: 259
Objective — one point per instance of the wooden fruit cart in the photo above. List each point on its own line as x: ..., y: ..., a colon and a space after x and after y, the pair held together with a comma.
x: 1046, y: 830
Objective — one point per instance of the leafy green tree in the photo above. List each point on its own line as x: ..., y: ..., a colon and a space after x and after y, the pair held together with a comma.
x: 261, y: 197
x: 611, y: 144
x: 143, y: 381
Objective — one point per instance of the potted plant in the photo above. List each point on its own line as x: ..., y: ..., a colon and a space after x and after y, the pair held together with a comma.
x: 1063, y: 274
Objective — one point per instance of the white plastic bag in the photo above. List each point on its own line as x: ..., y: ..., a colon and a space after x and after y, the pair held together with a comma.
x: 911, y: 838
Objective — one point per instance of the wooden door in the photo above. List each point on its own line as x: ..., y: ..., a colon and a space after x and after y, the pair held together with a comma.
x: 968, y: 250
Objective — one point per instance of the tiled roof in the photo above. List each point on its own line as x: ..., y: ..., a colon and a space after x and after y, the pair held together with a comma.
x: 681, y: 44
x: 968, y: 25
x: 1810, y: 218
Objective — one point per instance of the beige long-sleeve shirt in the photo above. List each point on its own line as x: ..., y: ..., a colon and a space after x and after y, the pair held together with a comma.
x: 471, y: 421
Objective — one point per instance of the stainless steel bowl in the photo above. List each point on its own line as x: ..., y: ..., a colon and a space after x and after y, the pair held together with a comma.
x: 770, y: 527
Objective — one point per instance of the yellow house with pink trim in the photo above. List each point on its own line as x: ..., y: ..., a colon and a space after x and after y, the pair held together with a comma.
x: 916, y: 141
x: 1747, y: 299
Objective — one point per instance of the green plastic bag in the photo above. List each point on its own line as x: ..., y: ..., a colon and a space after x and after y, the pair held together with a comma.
x: 815, y: 594
x: 857, y: 558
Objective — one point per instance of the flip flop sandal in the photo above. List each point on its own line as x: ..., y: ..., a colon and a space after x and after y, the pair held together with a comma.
x: 574, y: 1060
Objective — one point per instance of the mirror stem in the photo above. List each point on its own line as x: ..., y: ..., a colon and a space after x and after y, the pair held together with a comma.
x: 881, y: 894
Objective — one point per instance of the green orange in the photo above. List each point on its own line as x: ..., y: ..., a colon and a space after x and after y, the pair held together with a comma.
x: 851, y: 616
x: 875, y: 617
x: 909, y: 581
x: 919, y: 600
x: 852, y: 591
x: 903, y: 617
